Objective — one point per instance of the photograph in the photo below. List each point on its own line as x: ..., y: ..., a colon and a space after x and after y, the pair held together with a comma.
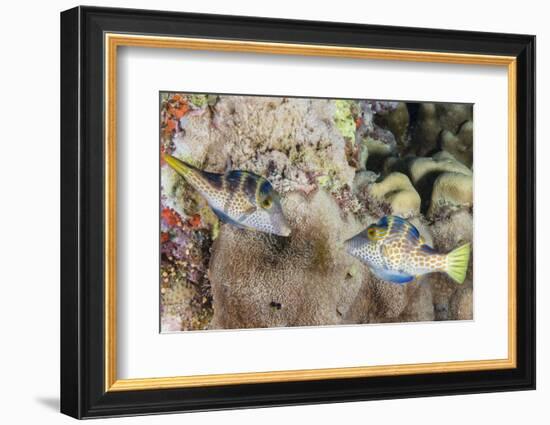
x: 283, y: 212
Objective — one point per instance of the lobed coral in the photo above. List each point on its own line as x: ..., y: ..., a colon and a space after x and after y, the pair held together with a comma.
x: 397, y: 190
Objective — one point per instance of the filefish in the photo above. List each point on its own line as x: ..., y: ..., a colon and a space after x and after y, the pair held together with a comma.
x: 394, y: 251
x: 240, y: 198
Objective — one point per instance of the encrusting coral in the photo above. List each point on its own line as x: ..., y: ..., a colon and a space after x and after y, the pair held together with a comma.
x: 339, y: 165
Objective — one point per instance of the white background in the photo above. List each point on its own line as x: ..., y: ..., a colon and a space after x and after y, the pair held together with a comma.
x: 142, y: 74
x: 29, y: 225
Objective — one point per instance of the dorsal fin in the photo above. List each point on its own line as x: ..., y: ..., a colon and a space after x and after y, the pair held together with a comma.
x: 398, y: 225
x: 383, y: 222
x: 232, y: 180
x: 234, y: 175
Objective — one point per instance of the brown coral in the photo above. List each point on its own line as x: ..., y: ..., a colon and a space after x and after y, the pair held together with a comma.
x: 310, y: 279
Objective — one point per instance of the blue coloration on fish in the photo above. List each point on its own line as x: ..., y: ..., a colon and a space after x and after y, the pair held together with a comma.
x: 395, y: 252
x: 239, y: 198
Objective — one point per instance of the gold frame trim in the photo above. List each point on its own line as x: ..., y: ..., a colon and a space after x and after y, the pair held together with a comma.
x: 113, y: 41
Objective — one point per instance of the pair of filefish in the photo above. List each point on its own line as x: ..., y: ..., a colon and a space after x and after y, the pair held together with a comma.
x: 392, y: 248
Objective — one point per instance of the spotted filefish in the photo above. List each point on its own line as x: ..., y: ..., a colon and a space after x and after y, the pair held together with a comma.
x: 240, y: 198
x: 394, y: 251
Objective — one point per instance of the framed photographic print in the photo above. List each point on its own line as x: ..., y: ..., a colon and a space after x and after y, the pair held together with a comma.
x: 261, y: 212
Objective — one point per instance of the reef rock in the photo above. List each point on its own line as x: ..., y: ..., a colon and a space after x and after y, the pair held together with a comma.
x: 261, y: 280
x: 295, y: 140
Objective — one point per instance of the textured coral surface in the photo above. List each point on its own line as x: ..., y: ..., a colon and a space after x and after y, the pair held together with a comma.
x: 339, y: 165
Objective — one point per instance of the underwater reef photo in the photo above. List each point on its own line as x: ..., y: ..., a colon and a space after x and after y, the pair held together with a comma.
x: 288, y: 211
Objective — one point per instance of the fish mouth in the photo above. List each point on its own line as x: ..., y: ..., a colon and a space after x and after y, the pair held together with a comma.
x: 348, y: 246
x: 279, y: 226
x: 284, y: 230
x: 351, y: 245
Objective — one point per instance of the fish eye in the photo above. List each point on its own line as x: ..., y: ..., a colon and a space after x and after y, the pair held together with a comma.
x: 371, y: 232
x: 267, y: 202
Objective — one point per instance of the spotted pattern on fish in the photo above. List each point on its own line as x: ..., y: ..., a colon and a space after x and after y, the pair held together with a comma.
x: 238, y: 197
x: 394, y: 250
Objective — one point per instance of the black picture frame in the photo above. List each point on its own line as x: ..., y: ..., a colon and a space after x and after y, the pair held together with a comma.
x: 82, y: 219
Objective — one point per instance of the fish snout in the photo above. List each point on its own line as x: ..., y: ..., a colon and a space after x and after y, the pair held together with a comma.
x: 348, y: 246
x: 353, y: 245
x: 284, y: 229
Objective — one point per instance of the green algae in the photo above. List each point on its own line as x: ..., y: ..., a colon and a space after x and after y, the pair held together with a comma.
x: 344, y: 120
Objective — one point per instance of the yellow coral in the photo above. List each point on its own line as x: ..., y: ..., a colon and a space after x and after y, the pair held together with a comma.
x: 396, y: 189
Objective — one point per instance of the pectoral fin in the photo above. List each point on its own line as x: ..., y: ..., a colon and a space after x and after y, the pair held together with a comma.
x: 224, y: 218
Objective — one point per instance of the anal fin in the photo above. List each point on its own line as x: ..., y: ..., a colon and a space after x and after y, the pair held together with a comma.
x: 392, y: 276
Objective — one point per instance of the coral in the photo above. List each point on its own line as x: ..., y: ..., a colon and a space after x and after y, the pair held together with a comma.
x: 308, y: 276
x: 170, y: 323
x: 185, y: 288
x: 185, y: 305
x: 377, y: 302
x: 432, y: 119
x: 424, y: 168
x: 397, y: 121
x: 383, y: 302
x: 296, y: 139
x: 378, y: 150
x: 447, y: 234
x: 396, y: 189
x: 379, y: 141
x: 174, y: 109
x: 344, y: 120
x: 453, y: 231
x: 364, y: 178
x: 450, y: 191
x: 461, y: 304
x: 420, y: 307
x: 425, y: 171
x: 460, y: 145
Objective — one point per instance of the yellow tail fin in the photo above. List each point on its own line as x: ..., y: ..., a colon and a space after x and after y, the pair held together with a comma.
x: 182, y: 168
x: 457, y: 262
